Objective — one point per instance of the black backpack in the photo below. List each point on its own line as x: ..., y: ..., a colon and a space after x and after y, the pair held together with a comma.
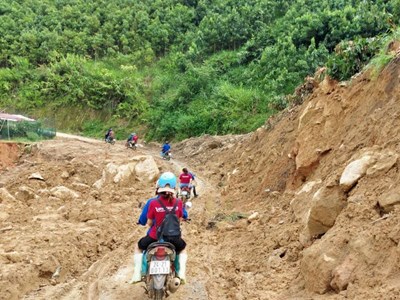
x: 170, y: 226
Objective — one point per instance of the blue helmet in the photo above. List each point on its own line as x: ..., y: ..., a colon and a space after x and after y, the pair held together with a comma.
x: 167, y: 182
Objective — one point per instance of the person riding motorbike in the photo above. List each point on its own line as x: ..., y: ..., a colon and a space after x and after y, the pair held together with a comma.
x: 143, y: 215
x: 109, y: 135
x: 186, y: 180
x: 165, y: 149
x: 133, y: 138
x: 155, y: 216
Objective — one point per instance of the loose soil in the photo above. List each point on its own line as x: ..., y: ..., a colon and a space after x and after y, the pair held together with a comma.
x: 245, y: 240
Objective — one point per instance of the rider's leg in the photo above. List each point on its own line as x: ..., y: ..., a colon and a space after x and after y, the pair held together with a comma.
x: 137, y: 265
x: 138, y: 257
x: 194, y: 191
x: 182, y: 259
x: 180, y: 246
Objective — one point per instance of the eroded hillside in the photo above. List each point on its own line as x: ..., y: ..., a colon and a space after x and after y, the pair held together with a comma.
x: 324, y: 179
x: 305, y: 207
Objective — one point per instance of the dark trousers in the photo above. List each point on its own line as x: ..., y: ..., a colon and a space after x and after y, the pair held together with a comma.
x: 177, y: 241
x: 194, y: 191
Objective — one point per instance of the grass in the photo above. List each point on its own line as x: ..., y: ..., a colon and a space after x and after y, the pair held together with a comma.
x: 378, y: 63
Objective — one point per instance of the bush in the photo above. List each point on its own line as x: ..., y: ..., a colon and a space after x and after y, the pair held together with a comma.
x: 32, y: 136
x: 351, y: 56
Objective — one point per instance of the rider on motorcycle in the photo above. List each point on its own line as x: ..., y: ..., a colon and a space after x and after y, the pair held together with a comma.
x: 133, y: 138
x: 155, y: 217
x: 185, y: 179
x: 166, y: 148
x: 143, y: 215
x: 109, y: 135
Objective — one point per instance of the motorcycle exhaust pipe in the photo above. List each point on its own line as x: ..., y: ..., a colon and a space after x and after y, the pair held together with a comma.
x: 174, y: 284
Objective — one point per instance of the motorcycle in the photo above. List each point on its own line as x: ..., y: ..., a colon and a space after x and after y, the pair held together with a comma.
x: 131, y: 145
x: 161, y: 275
x: 110, y: 140
x: 185, y: 193
x: 166, y: 155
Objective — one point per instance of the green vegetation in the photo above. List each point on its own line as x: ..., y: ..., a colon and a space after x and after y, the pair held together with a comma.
x: 179, y: 68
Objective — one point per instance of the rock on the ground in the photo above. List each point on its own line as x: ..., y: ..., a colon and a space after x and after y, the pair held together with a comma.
x: 354, y: 171
x: 147, y: 170
x: 5, y: 196
x: 342, y: 275
x: 327, y: 203
x: 64, y: 193
x: 389, y: 200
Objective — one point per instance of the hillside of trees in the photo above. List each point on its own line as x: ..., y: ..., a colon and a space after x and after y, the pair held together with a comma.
x: 179, y: 68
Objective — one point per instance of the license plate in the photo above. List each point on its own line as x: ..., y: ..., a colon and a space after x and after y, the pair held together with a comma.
x: 159, y: 267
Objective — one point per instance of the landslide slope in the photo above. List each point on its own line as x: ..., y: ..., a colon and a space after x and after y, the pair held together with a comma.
x: 321, y: 182
x: 303, y: 208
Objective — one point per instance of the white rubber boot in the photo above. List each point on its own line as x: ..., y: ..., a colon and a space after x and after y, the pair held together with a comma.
x: 137, y: 268
x: 182, y: 267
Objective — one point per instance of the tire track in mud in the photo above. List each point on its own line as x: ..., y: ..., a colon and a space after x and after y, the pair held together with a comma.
x: 108, y: 277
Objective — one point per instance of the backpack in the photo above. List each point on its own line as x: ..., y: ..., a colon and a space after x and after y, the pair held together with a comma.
x: 170, y: 226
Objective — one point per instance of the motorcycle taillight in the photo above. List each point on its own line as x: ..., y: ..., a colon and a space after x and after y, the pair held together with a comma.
x: 160, y: 253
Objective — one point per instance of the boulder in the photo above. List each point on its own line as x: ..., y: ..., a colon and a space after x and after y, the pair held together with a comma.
x: 389, y: 200
x: 99, y: 183
x: 64, y: 193
x: 310, y: 112
x: 124, y: 172
x: 144, y: 167
x: 317, y: 265
x: 254, y: 216
x: 373, y: 161
x: 385, y: 160
x: 363, y: 247
x: 147, y: 170
x: 111, y: 168
x: 343, y: 275
x: 301, y: 202
x: 319, y: 261
x: 25, y: 193
x: 354, y: 171
x: 326, y: 205
x: 110, y: 172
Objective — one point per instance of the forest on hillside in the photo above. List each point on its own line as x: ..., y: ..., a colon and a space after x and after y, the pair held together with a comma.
x: 179, y: 68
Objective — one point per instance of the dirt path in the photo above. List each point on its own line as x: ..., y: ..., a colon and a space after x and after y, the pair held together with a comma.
x: 108, y: 276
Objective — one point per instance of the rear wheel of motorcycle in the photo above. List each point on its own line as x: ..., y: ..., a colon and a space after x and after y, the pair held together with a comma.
x: 158, y: 295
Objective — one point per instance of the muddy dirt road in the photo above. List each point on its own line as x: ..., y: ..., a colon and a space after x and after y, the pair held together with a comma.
x: 70, y: 230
